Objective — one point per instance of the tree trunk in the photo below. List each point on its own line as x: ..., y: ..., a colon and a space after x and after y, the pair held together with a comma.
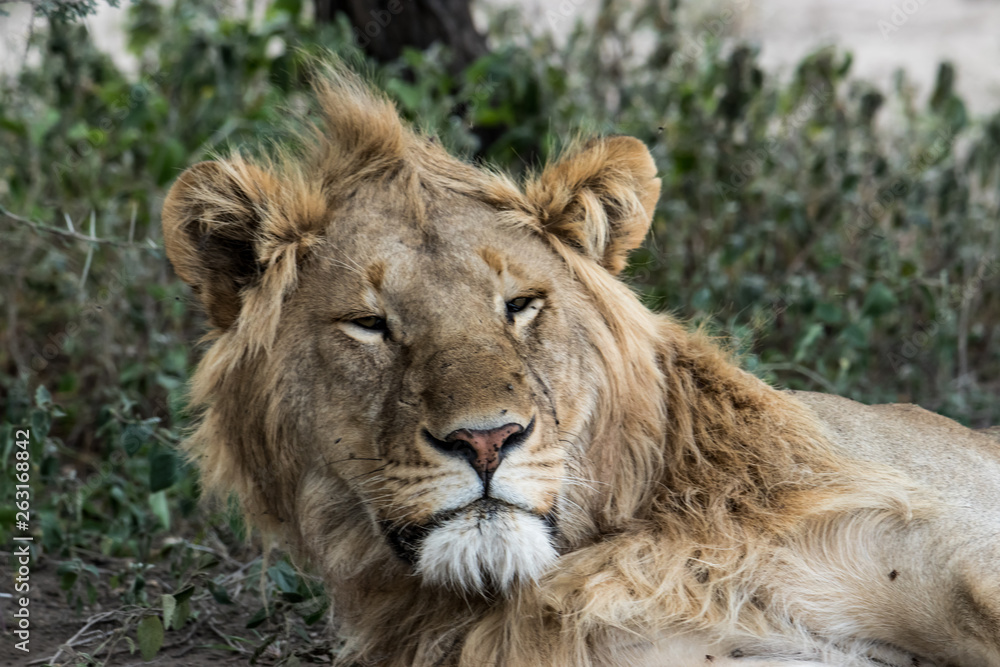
x: 384, y: 27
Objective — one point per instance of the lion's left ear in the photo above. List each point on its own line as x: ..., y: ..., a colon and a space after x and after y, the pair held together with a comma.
x: 599, y: 199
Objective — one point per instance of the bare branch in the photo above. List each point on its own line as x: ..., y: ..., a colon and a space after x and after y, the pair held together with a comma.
x: 73, y: 234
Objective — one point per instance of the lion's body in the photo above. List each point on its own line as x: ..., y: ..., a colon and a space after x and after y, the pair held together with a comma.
x: 393, y: 324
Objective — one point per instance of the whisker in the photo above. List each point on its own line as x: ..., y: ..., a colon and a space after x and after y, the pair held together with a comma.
x: 327, y: 464
x: 370, y: 472
x: 569, y: 480
x: 585, y: 480
x: 356, y: 268
x: 574, y: 504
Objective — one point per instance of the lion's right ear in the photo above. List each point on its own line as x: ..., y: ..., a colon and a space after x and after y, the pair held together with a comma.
x: 599, y: 199
x: 212, y: 220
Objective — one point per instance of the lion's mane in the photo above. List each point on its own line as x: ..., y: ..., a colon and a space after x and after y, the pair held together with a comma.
x: 690, y: 475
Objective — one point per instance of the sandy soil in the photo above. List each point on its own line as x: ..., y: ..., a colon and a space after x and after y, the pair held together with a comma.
x: 883, y: 38
x: 964, y: 31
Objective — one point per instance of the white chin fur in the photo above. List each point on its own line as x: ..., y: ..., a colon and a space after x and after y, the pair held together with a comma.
x: 483, y: 548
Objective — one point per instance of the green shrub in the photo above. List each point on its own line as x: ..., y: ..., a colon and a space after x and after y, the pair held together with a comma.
x: 841, y: 238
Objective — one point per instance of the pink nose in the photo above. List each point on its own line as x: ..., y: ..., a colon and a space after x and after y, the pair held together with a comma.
x: 484, y: 449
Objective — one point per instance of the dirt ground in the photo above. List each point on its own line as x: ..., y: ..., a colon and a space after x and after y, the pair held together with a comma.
x: 54, y: 623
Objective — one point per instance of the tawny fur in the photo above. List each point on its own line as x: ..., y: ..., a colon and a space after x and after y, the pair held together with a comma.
x: 701, y: 515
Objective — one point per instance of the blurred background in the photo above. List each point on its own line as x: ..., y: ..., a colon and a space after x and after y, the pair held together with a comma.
x: 830, y: 211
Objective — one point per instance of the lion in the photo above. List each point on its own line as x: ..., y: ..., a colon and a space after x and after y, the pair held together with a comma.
x: 430, y: 385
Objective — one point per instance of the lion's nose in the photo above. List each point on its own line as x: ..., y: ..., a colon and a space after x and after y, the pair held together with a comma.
x: 484, y: 450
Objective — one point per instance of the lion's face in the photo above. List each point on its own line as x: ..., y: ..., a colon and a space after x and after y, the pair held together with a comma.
x: 406, y: 361
x: 441, y: 370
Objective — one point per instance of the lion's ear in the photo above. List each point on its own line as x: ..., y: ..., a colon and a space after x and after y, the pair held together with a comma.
x: 212, y: 219
x: 599, y: 199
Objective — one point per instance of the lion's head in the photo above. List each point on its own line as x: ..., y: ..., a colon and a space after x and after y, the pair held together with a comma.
x: 406, y: 359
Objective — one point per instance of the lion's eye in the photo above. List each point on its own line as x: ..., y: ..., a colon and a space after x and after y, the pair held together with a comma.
x: 371, y: 323
x: 518, y: 304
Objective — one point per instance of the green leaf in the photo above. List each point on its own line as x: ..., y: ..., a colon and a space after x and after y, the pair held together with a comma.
x: 6, y: 437
x: 134, y: 436
x: 158, y: 504
x: 12, y: 126
x: 408, y: 96
x: 43, y: 398
x: 182, y: 614
x: 162, y: 470
x: 830, y: 313
x: 209, y: 563
x: 316, y: 615
x: 219, y: 593
x: 169, y: 607
x: 40, y: 424
x: 68, y: 566
x: 67, y: 580
x: 258, y: 618
x: 812, y: 335
x: 42, y: 123
x: 184, y: 594
x: 223, y: 647
x: 879, y: 300
x: 150, y: 636
x: 168, y: 382
x: 855, y: 337
x: 168, y: 158
x: 284, y: 577
x: 291, y: 7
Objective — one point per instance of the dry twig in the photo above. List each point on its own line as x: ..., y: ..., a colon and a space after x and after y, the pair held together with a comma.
x: 71, y: 233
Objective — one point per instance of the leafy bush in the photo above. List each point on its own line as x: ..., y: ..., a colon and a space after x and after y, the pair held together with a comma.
x: 841, y: 238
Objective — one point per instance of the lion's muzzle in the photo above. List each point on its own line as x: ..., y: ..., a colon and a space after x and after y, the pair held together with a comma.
x: 484, y: 449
